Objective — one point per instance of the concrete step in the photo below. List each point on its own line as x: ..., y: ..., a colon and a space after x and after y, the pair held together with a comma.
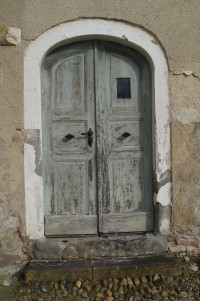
x: 96, y: 270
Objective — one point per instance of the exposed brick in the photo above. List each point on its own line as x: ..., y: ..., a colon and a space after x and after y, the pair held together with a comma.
x: 187, y: 242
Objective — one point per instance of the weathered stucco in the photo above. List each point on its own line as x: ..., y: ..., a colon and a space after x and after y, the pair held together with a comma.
x: 176, y: 25
x: 185, y: 133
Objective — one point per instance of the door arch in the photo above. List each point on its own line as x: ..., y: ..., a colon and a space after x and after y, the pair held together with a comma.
x: 97, y: 140
x: 121, y: 33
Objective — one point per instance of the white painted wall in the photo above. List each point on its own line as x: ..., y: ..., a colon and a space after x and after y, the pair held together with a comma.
x: 79, y: 30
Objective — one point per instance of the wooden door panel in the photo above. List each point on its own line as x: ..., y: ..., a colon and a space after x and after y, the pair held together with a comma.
x: 124, y: 134
x: 61, y: 225
x: 68, y: 162
x: 136, y: 222
x: 123, y: 139
x: 71, y: 188
x: 123, y: 68
x: 125, y: 186
x: 67, y: 138
x: 69, y: 77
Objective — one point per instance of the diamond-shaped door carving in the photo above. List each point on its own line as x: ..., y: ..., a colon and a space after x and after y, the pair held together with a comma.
x: 123, y: 136
x: 67, y: 138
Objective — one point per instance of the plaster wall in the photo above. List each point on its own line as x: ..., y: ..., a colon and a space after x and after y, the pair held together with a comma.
x: 176, y: 25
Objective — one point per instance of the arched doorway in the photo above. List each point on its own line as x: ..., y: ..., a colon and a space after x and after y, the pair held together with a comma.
x: 123, y: 34
x: 97, y: 140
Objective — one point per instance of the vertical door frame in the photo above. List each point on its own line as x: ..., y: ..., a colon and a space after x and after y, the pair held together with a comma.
x: 121, y: 33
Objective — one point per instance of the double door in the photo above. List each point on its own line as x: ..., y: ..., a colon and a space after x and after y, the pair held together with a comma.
x: 97, y: 140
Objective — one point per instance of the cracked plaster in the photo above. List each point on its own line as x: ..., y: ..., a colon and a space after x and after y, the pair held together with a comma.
x: 188, y: 73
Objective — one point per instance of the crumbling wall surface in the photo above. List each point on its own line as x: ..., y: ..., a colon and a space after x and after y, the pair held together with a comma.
x: 176, y: 25
x: 185, y: 140
x: 12, y: 208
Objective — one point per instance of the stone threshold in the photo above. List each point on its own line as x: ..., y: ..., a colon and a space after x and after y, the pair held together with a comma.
x: 57, y: 270
x: 91, y: 248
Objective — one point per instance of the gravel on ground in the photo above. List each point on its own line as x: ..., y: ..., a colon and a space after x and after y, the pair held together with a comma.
x: 156, y: 287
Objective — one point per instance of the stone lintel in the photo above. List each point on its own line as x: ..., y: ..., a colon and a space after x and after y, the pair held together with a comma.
x: 10, y: 35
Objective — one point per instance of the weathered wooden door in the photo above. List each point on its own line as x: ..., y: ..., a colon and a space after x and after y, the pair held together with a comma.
x: 97, y: 140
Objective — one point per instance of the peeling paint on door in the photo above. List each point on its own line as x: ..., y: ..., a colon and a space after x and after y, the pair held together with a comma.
x: 122, y: 144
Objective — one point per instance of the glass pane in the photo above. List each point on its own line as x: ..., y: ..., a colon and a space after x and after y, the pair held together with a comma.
x: 123, y: 88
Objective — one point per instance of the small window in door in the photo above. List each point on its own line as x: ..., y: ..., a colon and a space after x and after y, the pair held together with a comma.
x: 123, y: 88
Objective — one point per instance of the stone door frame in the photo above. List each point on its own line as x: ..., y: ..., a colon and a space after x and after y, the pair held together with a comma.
x: 86, y: 29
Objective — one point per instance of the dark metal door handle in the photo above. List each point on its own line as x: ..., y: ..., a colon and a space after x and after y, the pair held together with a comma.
x: 89, y: 136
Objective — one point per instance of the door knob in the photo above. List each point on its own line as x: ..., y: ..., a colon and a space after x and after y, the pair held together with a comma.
x: 89, y: 136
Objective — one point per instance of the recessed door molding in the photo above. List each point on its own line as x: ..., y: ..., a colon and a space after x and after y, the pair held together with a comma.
x: 67, y: 33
